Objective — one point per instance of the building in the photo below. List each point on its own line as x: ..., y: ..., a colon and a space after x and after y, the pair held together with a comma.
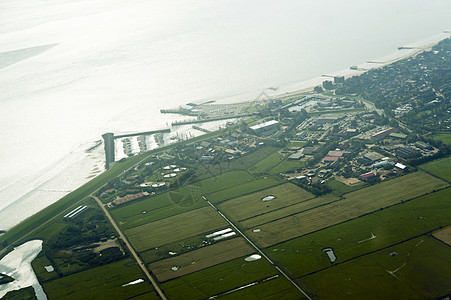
x: 331, y: 158
x: 296, y: 156
x: 266, y: 128
x: 398, y: 135
x: 386, y: 164
x: 130, y: 198
x: 373, y: 156
x: 407, y: 152
x: 401, y: 167
x: 369, y: 177
x: 76, y: 212
x: 382, y: 134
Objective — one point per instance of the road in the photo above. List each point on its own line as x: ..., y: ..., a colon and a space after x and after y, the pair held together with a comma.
x: 258, y: 249
x: 132, y: 251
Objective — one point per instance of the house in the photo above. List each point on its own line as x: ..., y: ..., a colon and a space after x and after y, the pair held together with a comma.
x: 369, y: 177
x: 266, y: 128
x: 382, y: 134
x: 296, y: 156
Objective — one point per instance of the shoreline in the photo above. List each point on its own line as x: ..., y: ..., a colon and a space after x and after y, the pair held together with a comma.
x: 291, y: 89
x: 296, y: 88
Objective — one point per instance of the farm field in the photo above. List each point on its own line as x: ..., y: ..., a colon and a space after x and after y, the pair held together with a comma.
x: 267, y: 163
x: 286, y: 211
x: 217, y: 279
x: 85, y: 285
x: 245, y: 188
x: 354, y: 204
x: 416, y: 269
x: 440, y: 167
x: 201, y: 258
x: 422, y: 215
x: 445, y: 138
x: 252, y: 204
x: 287, y: 165
x: 163, y: 231
x: 271, y: 289
x: 174, y: 202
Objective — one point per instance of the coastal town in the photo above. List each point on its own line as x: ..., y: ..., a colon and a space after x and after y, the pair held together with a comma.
x: 287, y: 195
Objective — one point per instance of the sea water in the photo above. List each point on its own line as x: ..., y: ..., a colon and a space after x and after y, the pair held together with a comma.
x: 110, y: 65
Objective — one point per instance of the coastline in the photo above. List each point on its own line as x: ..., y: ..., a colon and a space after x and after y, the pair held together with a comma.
x: 76, y: 179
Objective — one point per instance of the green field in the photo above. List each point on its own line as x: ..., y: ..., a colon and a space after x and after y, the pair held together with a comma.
x: 201, y: 258
x: 440, y: 168
x: 278, y: 288
x: 101, y: 283
x: 419, y: 270
x: 286, y: 211
x: 268, y: 163
x: 350, y: 239
x: 444, y: 137
x: 164, y: 231
x: 354, y: 204
x: 340, y: 188
x: 287, y: 165
x: 245, y: 188
x: 214, y: 280
x: 177, y: 201
x: 250, y: 205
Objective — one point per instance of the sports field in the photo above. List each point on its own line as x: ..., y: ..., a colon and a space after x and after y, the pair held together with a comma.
x: 201, y: 258
x: 175, y: 228
x: 251, y: 205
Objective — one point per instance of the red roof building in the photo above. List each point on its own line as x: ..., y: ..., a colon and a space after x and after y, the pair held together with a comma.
x: 130, y: 198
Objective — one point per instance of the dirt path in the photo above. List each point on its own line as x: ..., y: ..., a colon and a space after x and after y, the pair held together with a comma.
x: 132, y: 251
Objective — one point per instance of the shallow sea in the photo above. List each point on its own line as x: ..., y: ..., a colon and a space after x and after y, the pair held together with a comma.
x: 115, y: 63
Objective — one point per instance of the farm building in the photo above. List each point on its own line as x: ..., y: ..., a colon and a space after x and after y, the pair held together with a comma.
x: 296, y: 156
x: 130, y: 198
x: 266, y: 128
x: 369, y: 177
x: 382, y: 134
x: 373, y: 156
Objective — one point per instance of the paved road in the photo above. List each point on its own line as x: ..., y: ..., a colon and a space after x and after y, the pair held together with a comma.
x: 258, y: 249
x: 132, y: 251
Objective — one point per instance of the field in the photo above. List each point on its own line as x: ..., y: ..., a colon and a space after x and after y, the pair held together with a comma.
x: 440, y: 168
x: 304, y: 255
x: 245, y: 188
x: 201, y: 258
x: 444, y: 235
x: 101, y: 283
x: 251, y: 205
x: 177, y: 201
x: 163, y: 231
x: 219, y: 278
x: 354, y: 204
x: 445, y: 138
x: 287, y: 211
x: 268, y: 163
x: 420, y: 269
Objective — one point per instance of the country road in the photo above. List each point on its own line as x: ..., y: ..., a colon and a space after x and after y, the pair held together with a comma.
x: 132, y: 251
